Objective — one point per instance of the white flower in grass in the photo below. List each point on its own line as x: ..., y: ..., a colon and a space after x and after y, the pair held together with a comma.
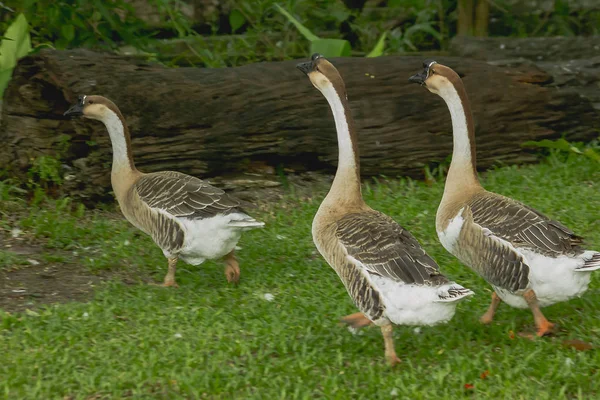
x: 85, y: 315
x: 417, y: 330
x: 32, y: 261
x: 178, y: 335
x: 16, y: 232
x: 269, y: 297
x: 394, y: 392
x: 355, y: 331
x: 569, y: 362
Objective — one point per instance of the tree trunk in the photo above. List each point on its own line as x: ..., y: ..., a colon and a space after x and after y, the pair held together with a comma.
x: 482, y: 18
x: 267, y: 116
x: 465, y: 18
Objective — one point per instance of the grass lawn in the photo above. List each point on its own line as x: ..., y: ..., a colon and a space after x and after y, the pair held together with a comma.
x: 208, y: 339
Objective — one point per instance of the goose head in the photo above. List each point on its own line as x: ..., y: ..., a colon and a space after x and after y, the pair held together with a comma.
x: 323, y: 75
x: 93, y: 107
x: 437, y: 78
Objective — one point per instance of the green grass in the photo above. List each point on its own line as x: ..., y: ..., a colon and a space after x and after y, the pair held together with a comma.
x: 210, y: 340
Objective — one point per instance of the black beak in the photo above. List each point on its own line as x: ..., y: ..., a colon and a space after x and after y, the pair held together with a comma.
x: 77, y: 109
x: 421, y: 77
x: 418, y: 78
x: 74, y: 111
x: 309, y: 66
x: 305, y: 67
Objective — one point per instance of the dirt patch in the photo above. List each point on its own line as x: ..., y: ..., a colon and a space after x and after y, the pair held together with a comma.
x: 30, y: 283
x: 31, y: 286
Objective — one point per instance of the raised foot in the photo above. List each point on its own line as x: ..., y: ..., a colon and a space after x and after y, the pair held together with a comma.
x: 357, y: 320
x: 392, y: 359
x: 232, y: 273
x: 546, y: 328
x: 486, y: 318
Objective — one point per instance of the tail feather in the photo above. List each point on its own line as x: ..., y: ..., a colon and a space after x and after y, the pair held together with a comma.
x: 590, y: 265
x: 246, y: 223
x: 449, y: 294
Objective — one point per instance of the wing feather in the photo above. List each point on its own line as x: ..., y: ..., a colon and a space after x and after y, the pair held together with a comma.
x: 182, y: 195
x: 523, y: 226
x: 384, y: 248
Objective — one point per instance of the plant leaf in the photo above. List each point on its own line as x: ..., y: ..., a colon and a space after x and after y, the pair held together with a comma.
x: 16, y: 45
x: 303, y: 30
x: 564, y: 145
x: 591, y: 153
x: 236, y: 20
x: 379, y: 47
x: 68, y: 32
x: 560, y: 144
x: 423, y: 28
x: 331, y: 47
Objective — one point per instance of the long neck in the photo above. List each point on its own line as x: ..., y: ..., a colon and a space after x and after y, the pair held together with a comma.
x: 121, y: 144
x: 463, y: 171
x: 346, y: 184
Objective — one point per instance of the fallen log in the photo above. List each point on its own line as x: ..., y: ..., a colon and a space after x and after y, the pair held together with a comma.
x: 265, y: 117
x: 559, y: 48
x: 572, y: 62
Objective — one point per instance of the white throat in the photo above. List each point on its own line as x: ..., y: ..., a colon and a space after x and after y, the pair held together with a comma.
x: 116, y: 131
x: 462, y: 144
x: 461, y: 172
x: 346, y: 151
x: 345, y: 183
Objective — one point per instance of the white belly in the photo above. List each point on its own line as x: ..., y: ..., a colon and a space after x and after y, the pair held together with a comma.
x: 552, y: 279
x: 209, y: 238
x: 412, y: 304
x: 449, y: 236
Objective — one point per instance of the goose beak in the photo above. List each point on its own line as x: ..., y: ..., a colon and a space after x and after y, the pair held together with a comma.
x: 305, y: 67
x: 74, y: 111
x: 309, y: 66
x: 419, y: 78
x: 422, y: 76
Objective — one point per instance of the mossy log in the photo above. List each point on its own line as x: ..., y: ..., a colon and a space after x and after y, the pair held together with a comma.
x: 267, y: 116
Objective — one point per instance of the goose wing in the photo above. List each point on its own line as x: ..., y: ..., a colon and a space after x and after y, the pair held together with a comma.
x: 494, y: 258
x: 384, y: 248
x: 185, y: 196
x: 522, y: 226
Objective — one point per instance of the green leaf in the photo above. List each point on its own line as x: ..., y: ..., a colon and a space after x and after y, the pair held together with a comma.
x: 423, y: 28
x: 564, y: 145
x: 236, y: 20
x: 68, y: 32
x: 303, y: 30
x: 379, y: 47
x: 560, y: 144
x: 17, y: 44
x: 592, y: 154
x: 331, y: 47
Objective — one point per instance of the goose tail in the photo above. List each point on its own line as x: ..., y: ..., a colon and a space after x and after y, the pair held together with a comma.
x: 247, y: 224
x: 590, y: 264
x: 452, y: 292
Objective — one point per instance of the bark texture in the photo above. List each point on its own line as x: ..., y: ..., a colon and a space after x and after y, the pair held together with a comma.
x: 260, y: 117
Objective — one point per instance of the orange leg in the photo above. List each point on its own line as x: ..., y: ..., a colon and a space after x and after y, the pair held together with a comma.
x: 388, y: 339
x: 232, y: 268
x: 170, y: 276
x: 489, y: 314
x: 357, y: 320
x: 544, y: 327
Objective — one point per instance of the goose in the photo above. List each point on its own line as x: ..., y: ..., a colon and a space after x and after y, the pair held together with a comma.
x: 185, y: 216
x: 386, y: 272
x: 530, y: 260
